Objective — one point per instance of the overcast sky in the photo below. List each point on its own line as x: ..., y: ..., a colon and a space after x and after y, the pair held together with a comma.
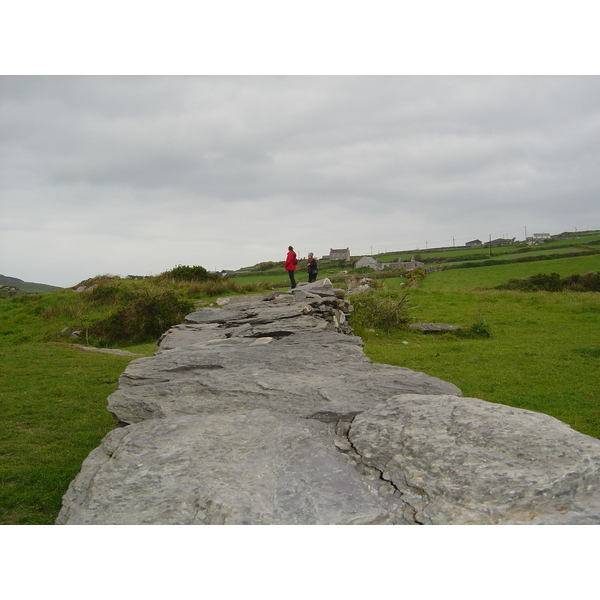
x: 135, y: 175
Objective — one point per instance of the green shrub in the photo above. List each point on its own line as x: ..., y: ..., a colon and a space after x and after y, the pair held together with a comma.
x: 542, y: 282
x: 588, y: 282
x: 106, y: 293
x: 145, y: 318
x: 552, y: 282
x: 185, y: 273
x: 374, y: 310
x: 479, y: 329
x: 99, y: 280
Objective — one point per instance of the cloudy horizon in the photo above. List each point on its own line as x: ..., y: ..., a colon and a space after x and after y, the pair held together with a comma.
x: 137, y: 174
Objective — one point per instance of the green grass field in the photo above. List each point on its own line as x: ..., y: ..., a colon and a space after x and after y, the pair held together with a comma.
x: 468, y: 279
x: 543, y: 355
x: 53, y: 405
x: 544, y: 352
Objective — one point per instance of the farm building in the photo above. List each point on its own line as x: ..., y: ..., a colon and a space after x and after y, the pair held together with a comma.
x: 409, y: 265
x: 368, y: 261
x: 501, y: 242
x: 538, y: 238
x: 339, y: 254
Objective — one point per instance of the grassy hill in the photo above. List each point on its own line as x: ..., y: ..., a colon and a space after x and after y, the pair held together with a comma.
x: 26, y: 287
x: 542, y: 354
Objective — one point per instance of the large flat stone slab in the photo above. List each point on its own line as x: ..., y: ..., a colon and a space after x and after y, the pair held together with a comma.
x: 467, y: 461
x: 298, y: 374
x: 234, y: 469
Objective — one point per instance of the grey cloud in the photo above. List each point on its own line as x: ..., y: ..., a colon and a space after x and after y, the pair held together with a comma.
x: 440, y: 156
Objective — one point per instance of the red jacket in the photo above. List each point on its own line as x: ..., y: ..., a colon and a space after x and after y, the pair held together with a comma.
x: 291, y: 261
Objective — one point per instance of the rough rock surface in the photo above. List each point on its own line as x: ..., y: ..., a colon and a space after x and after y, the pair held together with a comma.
x: 105, y: 350
x: 265, y: 411
x: 435, y: 327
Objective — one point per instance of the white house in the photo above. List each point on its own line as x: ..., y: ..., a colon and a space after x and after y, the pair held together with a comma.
x: 538, y: 238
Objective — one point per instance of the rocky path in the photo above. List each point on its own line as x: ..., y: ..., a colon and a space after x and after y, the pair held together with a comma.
x: 265, y: 410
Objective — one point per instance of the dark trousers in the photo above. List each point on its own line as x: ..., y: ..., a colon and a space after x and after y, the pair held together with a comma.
x: 312, y: 277
x: 292, y: 280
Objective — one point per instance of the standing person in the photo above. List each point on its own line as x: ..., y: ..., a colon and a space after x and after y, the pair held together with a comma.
x: 312, y: 268
x: 290, y: 265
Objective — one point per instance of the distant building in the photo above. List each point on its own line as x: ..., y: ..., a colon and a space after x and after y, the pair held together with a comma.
x: 501, y: 242
x: 538, y: 238
x: 339, y: 254
x: 474, y: 243
x: 409, y: 265
x: 368, y: 261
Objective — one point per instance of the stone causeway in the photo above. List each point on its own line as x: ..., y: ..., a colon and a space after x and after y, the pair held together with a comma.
x: 265, y: 410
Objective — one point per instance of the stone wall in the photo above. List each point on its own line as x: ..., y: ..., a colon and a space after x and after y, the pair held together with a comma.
x: 265, y: 410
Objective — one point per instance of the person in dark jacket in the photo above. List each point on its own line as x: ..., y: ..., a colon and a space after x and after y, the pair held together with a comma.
x: 290, y: 266
x: 312, y: 268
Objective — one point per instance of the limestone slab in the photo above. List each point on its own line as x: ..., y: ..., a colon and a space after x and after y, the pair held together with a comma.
x: 467, y: 461
x: 234, y: 469
x: 298, y: 374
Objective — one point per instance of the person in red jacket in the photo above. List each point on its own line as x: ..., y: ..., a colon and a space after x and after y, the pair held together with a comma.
x: 290, y: 266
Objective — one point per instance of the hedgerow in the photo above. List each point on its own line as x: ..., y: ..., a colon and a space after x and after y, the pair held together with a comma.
x: 553, y: 282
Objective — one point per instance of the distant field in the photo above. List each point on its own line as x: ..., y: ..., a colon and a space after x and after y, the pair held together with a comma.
x: 467, y: 279
x: 498, y: 252
x: 280, y: 278
x: 273, y: 278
